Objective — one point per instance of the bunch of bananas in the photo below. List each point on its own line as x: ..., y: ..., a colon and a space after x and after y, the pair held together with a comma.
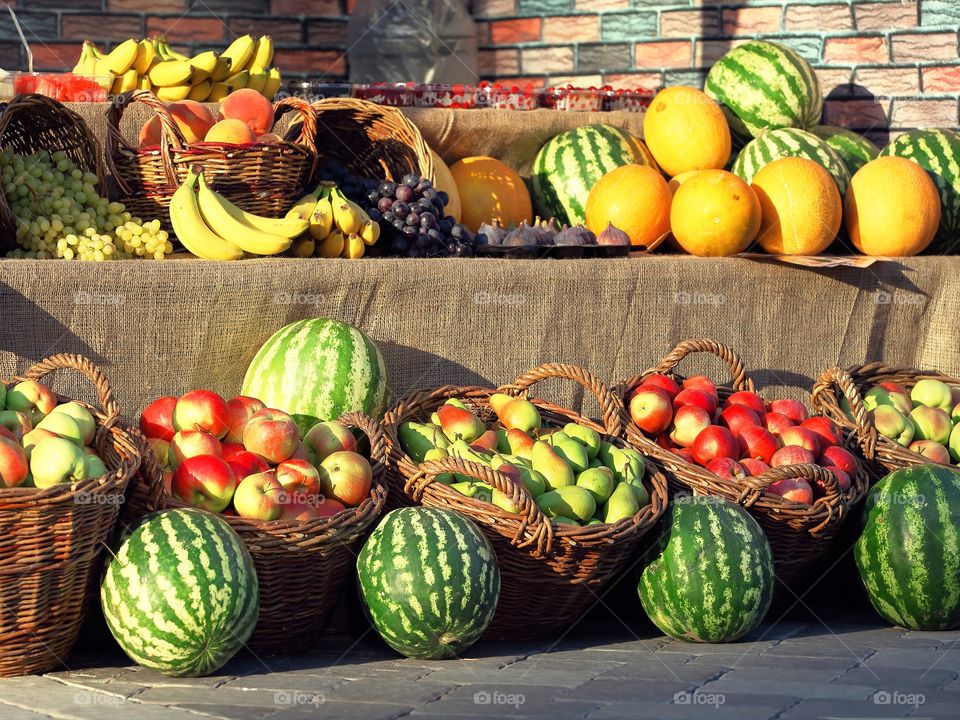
x: 213, y: 228
x: 338, y: 226
x: 206, y: 77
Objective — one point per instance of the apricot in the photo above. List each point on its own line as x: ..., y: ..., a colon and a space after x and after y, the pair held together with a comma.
x: 235, y: 132
x: 250, y: 107
x: 193, y: 119
x: 150, y: 133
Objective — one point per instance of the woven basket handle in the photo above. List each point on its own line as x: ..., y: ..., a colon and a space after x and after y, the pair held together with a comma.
x: 814, y: 474
x: 170, y: 135
x: 610, y: 405
x: 534, y: 524
x: 824, y: 391
x: 706, y: 345
x: 372, y: 429
x: 308, y: 120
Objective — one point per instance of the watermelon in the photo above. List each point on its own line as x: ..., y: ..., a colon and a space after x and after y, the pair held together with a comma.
x: 937, y: 152
x: 709, y: 575
x: 181, y: 596
x: 430, y: 582
x: 317, y: 369
x: 790, y: 142
x: 853, y: 148
x: 570, y: 164
x: 765, y: 86
x: 908, y: 554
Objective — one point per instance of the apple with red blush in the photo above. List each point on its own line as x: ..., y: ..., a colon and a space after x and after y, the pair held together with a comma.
x: 664, y: 382
x: 651, y: 409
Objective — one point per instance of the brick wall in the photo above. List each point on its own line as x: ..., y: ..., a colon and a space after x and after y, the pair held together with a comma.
x: 881, y: 61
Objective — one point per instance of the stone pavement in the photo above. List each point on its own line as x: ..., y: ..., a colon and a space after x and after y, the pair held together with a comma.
x: 814, y: 664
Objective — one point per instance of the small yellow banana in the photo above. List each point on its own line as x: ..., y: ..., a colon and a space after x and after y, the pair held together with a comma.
x: 353, y: 247
x: 122, y: 57
x: 170, y: 54
x: 169, y: 73
x: 321, y: 221
x: 192, y: 231
x: 258, y: 79
x: 240, y: 52
x: 143, y: 83
x: 219, y: 91
x: 304, y: 247
x: 229, y: 221
x: 348, y: 216
x: 272, y: 86
x: 175, y: 93
x: 332, y: 245
x: 125, y: 82
x: 370, y: 232
x: 201, y: 91
x: 204, y: 64
x: 262, y: 55
x: 87, y: 63
x: 239, y: 80
x: 222, y: 71
x: 304, y: 207
x: 145, y: 56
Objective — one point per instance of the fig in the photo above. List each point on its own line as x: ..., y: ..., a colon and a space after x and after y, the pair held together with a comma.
x: 613, y: 235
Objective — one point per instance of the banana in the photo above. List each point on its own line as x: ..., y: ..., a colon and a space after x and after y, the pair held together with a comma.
x: 190, y: 228
x: 201, y: 91
x: 145, y: 55
x: 353, y: 247
x: 304, y: 207
x: 172, y: 72
x: 122, y: 57
x: 272, y: 86
x: 95, y: 51
x: 262, y: 55
x: 222, y: 71
x: 258, y: 80
x: 174, y: 93
x: 204, y: 64
x: 240, y: 52
x: 229, y: 221
x: 143, y: 83
x: 170, y: 54
x: 125, y: 83
x: 238, y: 81
x: 287, y: 227
x: 348, y: 216
x: 321, y: 221
x: 370, y: 232
x: 304, y: 247
x: 87, y: 62
x: 332, y: 245
x: 219, y: 91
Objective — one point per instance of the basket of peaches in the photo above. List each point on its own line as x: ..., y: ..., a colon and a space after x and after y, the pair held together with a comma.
x: 300, y: 503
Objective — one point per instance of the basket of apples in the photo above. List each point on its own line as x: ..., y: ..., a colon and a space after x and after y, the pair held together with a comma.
x: 900, y: 416
x: 797, y: 475
x: 64, y: 468
x: 562, y: 498
x: 298, y: 503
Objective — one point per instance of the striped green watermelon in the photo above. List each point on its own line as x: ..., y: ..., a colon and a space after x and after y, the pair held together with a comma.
x: 790, y: 142
x: 318, y: 369
x: 709, y: 576
x: 570, y: 164
x: 909, y: 552
x: 764, y: 86
x: 853, y: 148
x: 937, y: 152
x: 181, y: 594
x: 430, y: 581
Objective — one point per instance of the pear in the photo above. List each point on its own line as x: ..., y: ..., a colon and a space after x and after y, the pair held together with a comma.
x: 520, y: 443
x: 557, y: 437
x: 574, y: 453
x: 435, y: 419
x: 531, y: 479
x: 475, y: 490
x: 457, y: 402
x: 622, y: 504
x: 486, y: 442
x: 599, y: 481
x: 519, y: 414
x: 627, y: 464
x: 569, y: 501
x: 595, y: 521
x: 503, y: 444
x: 588, y: 437
x: 555, y: 470
x: 561, y: 520
x: 641, y: 492
x: 498, y: 401
x: 460, y: 424
x: 504, y: 501
x: 438, y: 454
x: 417, y: 439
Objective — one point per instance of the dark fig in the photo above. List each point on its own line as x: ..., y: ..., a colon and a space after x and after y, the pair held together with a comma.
x: 524, y: 235
x: 613, y: 236
x: 491, y: 234
x: 577, y: 235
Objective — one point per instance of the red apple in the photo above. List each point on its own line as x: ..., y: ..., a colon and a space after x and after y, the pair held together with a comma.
x: 245, y: 463
x: 191, y: 443
x: 302, y: 453
x: 892, y: 387
x: 161, y: 450
x: 777, y: 423
x: 801, y: 437
x: 299, y: 510
x: 18, y: 423
x: 736, y: 417
x: 726, y: 468
x: 749, y: 400
x: 933, y: 450
x: 240, y: 409
x: 259, y: 497
x: 156, y: 420
x: 715, y: 442
x: 693, y: 396
x: 300, y: 481
x: 272, y: 434
x: 758, y: 443
x: 329, y: 507
x: 836, y: 456
x: 202, y: 410
x: 346, y: 476
x: 702, y: 383
x: 685, y: 454
x: 13, y: 463
x: 329, y: 437
x: 843, y: 480
x: 795, y: 489
x: 825, y: 428
x: 792, y: 455
x: 793, y: 409
x: 651, y: 409
x: 229, y: 448
x: 204, y: 481
x: 754, y: 467
x: 688, y: 422
x: 665, y: 383
x: 664, y: 441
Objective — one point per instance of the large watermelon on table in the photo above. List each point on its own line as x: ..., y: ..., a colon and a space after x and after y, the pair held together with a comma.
x: 790, y: 142
x: 317, y: 369
x: 570, y: 164
x: 937, y: 152
x: 853, y: 148
x: 181, y: 596
x: 430, y: 582
x: 908, y: 554
x: 709, y: 576
x: 764, y: 86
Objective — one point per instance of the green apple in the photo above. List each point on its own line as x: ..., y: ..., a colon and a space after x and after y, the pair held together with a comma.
x: 63, y: 425
x: 588, y: 437
x: 96, y: 468
x: 931, y: 423
x: 78, y: 412
x: 932, y: 393
x: 881, y: 396
x: 57, y: 460
x: 32, y: 398
x: 31, y: 439
x: 893, y: 424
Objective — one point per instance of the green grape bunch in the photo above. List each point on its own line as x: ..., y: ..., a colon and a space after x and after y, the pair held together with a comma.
x: 59, y: 213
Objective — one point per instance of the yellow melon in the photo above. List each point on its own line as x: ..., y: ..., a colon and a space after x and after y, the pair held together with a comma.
x: 444, y: 181
x: 686, y: 130
x: 490, y: 190
x: 714, y: 214
x: 636, y: 199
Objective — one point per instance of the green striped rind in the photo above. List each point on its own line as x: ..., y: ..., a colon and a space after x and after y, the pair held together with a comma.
x: 909, y: 552
x: 430, y: 582
x: 317, y: 369
x: 181, y: 595
x: 764, y: 86
x: 937, y: 152
x: 853, y: 148
x: 709, y: 577
x: 570, y: 164
x: 790, y: 142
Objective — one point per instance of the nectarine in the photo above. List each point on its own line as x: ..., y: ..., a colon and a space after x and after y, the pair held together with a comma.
x: 251, y: 108
x: 231, y: 132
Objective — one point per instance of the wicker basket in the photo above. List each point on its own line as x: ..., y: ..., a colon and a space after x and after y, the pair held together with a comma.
x: 798, y: 533
x: 372, y: 140
x: 549, y: 575
x: 53, y: 539
x: 262, y: 178
x: 301, y: 567
x: 35, y: 122
x: 883, y: 454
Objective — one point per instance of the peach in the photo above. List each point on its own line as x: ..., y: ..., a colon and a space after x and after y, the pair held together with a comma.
x: 193, y: 119
x: 150, y: 133
x: 249, y: 107
x: 231, y: 132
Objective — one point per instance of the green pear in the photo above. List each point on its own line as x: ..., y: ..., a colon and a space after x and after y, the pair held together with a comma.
x: 531, y: 479
x: 417, y: 439
x: 626, y: 464
x: 595, y: 521
x: 558, y: 437
x: 588, y: 437
x: 503, y: 445
x: 504, y: 501
x: 574, y: 453
x: 520, y: 443
x: 561, y: 520
x: 641, y: 492
x: 517, y: 460
x: 457, y: 402
x: 476, y: 490
x: 568, y: 501
x: 622, y: 504
x: 439, y: 454
x: 595, y: 463
x: 460, y: 449
x: 519, y: 414
x: 599, y: 481
x: 555, y: 470
x: 498, y: 401
x: 435, y: 419
x: 605, y: 454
